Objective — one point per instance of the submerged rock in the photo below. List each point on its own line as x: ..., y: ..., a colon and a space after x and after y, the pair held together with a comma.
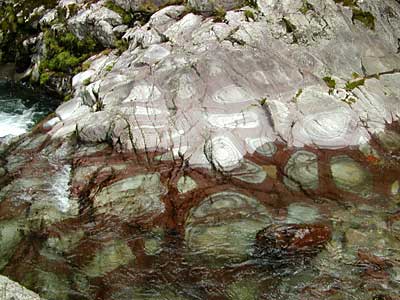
x: 350, y: 176
x: 131, y: 198
x: 291, y: 241
x: 113, y: 255
x: 302, y: 171
x: 301, y: 213
x: 223, y: 227
x: 11, y: 232
x: 390, y: 140
x: 249, y: 172
x: 186, y: 184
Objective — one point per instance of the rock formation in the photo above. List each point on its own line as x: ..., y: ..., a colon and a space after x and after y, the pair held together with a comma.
x: 188, y: 127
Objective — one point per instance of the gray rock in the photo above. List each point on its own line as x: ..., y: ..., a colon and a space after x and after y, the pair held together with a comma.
x: 10, y: 236
x: 186, y: 184
x: 10, y: 290
x: 302, y: 171
x: 300, y: 213
x: 212, y: 6
x: 249, y: 172
x: 350, y: 176
x: 97, y: 22
x: 131, y: 198
x: 223, y: 227
x: 170, y: 78
x: 2, y: 172
x: 113, y: 255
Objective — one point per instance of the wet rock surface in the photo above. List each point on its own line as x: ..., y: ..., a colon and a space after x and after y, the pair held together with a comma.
x: 280, y: 242
x: 204, y: 148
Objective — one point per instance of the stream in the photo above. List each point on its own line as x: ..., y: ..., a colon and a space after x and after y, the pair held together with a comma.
x: 81, y: 221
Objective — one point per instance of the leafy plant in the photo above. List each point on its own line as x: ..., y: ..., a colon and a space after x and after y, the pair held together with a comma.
x: 351, y: 85
x: 331, y: 83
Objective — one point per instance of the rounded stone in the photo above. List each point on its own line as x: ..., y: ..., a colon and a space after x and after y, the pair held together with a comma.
x: 224, y: 226
x: 132, y: 197
x: 2, y: 172
x: 113, y: 255
x: 249, y: 172
x: 267, y: 149
x: 300, y: 213
x: 186, y: 184
x: 10, y: 236
x: 390, y: 140
x: 302, y: 171
x: 349, y: 175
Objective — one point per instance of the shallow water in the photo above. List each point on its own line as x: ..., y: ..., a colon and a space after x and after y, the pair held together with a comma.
x: 84, y: 222
x: 21, y: 108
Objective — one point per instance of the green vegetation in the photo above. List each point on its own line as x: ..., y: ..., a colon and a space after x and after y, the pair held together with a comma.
x: 86, y: 66
x: 364, y: 17
x: 299, y: 92
x: 252, y: 3
x: 350, y: 100
x: 65, y: 54
x: 17, y: 24
x: 249, y: 15
x: 109, y: 67
x: 263, y: 101
x: 306, y: 7
x: 219, y: 14
x: 348, y: 3
x: 289, y: 26
x: 126, y: 17
x: 121, y: 45
x: 331, y: 83
x: 86, y: 81
x: 351, y: 85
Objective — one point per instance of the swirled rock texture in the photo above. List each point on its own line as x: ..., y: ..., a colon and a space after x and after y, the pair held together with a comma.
x: 190, y: 131
x: 210, y: 92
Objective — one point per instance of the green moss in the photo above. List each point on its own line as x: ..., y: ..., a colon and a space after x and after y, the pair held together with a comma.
x: 126, y: 16
x: 365, y: 17
x: 350, y: 100
x: 263, y: 100
x: 351, y: 85
x: 252, y: 3
x: 121, y: 45
x: 17, y: 24
x: 249, y: 15
x: 219, y: 14
x: 86, y: 66
x: 299, y: 92
x: 65, y: 52
x: 355, y: 75
x: 109, y: 67
x: 306, y: 7
x: 44, y: 77
x: 331, y: 83
x: 86, y: 81
x: 348, y: 3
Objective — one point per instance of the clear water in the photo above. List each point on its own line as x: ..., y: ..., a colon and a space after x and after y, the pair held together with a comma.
x: 21, y: 109
x: 66, y: 234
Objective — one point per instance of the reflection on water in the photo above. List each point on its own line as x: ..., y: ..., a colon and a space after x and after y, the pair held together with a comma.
x: 84, y: 222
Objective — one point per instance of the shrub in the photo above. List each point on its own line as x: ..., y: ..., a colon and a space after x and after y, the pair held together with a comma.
x: 351, y: 85
x: 331, y: 83
x: 365, y: 17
